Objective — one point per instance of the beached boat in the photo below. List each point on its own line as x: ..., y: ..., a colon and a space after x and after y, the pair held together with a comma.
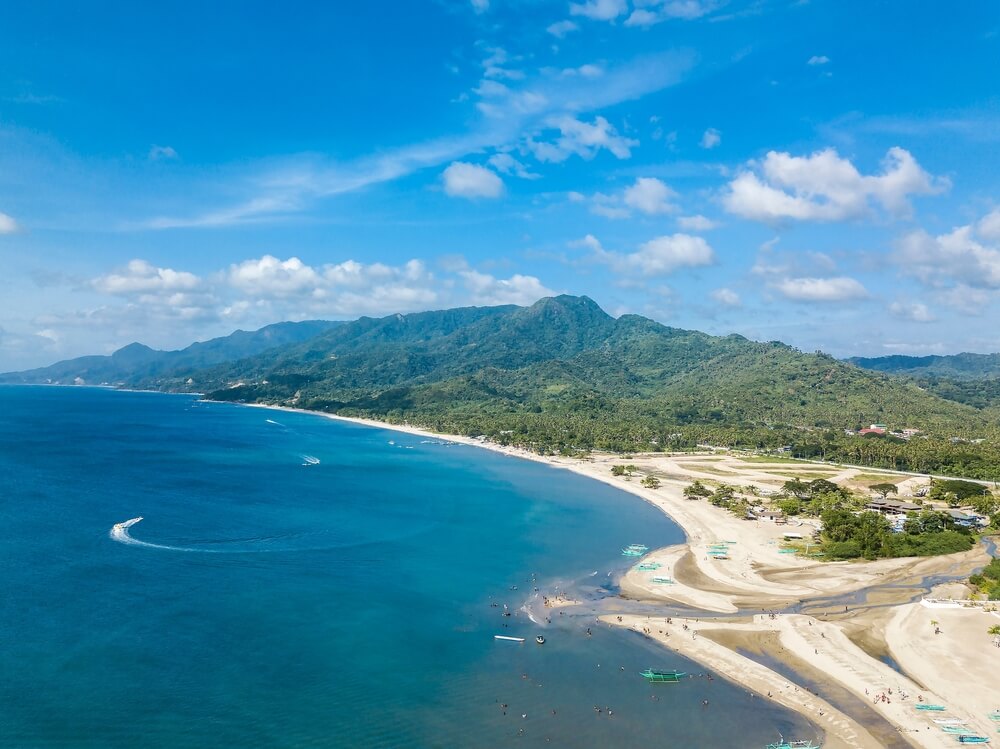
x: 949, y: 721
x: 973, y: 739
x: 782, y: 744
x: 935, y: 708
x: 958, y: 729
x: 662, y: 677
x: 995, y: 716
x: 508, y: 638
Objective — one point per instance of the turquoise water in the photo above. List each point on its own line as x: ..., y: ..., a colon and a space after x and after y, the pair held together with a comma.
x: 340, y: 604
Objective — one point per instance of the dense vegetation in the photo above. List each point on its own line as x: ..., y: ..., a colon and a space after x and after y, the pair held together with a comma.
x: 563, y: 376
x: 988, y: 581
x: 972, y: 379
x: 848, y: 532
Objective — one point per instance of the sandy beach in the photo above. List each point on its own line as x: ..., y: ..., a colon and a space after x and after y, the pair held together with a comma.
x: 838, y: 641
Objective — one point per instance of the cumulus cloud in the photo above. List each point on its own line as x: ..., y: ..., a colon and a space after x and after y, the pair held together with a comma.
x: 518, y: 289
x: 599, y: 10
x: 962, y: 256
x: 646, y: 195
x: 711, y: 138
x: 480, y: 6
x: 696, y: 223
x: 269, y: 276
x: 825, y: 187
x: 465, y: 180
x: 727, y: 297
x: 657, y: 257
x: 650, y: 196
x: 583, y: 139
x: 7, y: 224
x: 140, y: 276
x: 818, y: 60
x: 912, y: 311
x: 988, y: 226
x: 836, y: 289
x: 561, y: 28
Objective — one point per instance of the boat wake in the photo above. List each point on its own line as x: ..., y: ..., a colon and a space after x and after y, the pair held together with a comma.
x: 309, y: 460
x: 119, y: 532
x: 276, y: 423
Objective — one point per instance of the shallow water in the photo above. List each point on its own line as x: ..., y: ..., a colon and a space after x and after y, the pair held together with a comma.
x: 339, y: 603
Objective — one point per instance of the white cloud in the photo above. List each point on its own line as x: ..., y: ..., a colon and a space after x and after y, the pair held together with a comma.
x: 514, y: 113
x: 957, y: 257
x: 7, y: 224
x: 663, y: 11
x: 582, y: 139
x: 643, y: 17
x: 818, y: 60
x: 837, y: 289
x: 158, y: 153
x: 727, y: 297
x: 507, y: 164
x: 657, y: 257
x: 826, y: 187
x: 696, y: 223
x: 140, y: 276
x: 913, y: 311
x: 480, y: 6
x: 988, y: 227
x: 269, y: 276
x: 599, y: 10
x: 561, y: 28
x: 518, y: 289
x: 711, y: 138
x: 465, y: 180
x: 646, y: 195
x: 650, y: 196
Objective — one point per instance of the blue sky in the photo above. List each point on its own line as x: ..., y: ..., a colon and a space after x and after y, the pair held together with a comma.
x: 822, y: 173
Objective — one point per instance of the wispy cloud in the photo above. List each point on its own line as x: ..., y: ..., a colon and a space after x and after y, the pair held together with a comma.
x: 512, y: 112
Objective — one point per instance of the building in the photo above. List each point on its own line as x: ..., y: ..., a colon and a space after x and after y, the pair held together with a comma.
x: 773, y: 516
x: 892, y: 506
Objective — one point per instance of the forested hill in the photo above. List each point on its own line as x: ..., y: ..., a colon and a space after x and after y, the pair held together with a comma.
x: 972, y: 379
x: 137, y: 363
x: 564, y: 358
x: 957, y: 366
x: 564, y: 375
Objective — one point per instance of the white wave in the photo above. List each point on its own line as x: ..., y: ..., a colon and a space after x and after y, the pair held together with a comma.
x: 119, y: 532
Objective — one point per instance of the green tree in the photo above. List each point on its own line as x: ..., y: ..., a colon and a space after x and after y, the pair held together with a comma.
x: 871, y: 534
x: 884, y: 490
x: 722, y: 496
x: 651, y: 482
x: 797, y: 488
x: 617, y: 470
x: 697, y: 490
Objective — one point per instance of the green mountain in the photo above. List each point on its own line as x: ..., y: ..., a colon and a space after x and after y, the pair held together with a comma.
x: 955, y: 367
x: 137, y: 363
x: 566, y: 357
x: 562, y: 375
x: 972, y: 379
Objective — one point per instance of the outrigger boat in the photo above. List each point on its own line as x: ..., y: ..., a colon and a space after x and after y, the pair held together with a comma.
x: 973, y: 739
x: 963, y: 730
x: 662, y: 677
x: 635, y: 550
x: 782, y: 744
x: 508, y: 638
x: 936, y: 708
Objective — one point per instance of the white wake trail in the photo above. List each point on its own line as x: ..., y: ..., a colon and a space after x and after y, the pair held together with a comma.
x: 119, y: 532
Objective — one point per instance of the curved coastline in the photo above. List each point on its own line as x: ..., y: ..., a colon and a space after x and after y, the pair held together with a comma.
x: 760, y: 577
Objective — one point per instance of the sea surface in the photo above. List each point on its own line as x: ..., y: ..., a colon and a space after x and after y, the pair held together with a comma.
x: 301, y: 582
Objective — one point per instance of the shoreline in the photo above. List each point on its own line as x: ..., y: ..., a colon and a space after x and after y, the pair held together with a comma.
x: 758, y: 577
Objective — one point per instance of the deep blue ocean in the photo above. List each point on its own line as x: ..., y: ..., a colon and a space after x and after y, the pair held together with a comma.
x: 269, y: 600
